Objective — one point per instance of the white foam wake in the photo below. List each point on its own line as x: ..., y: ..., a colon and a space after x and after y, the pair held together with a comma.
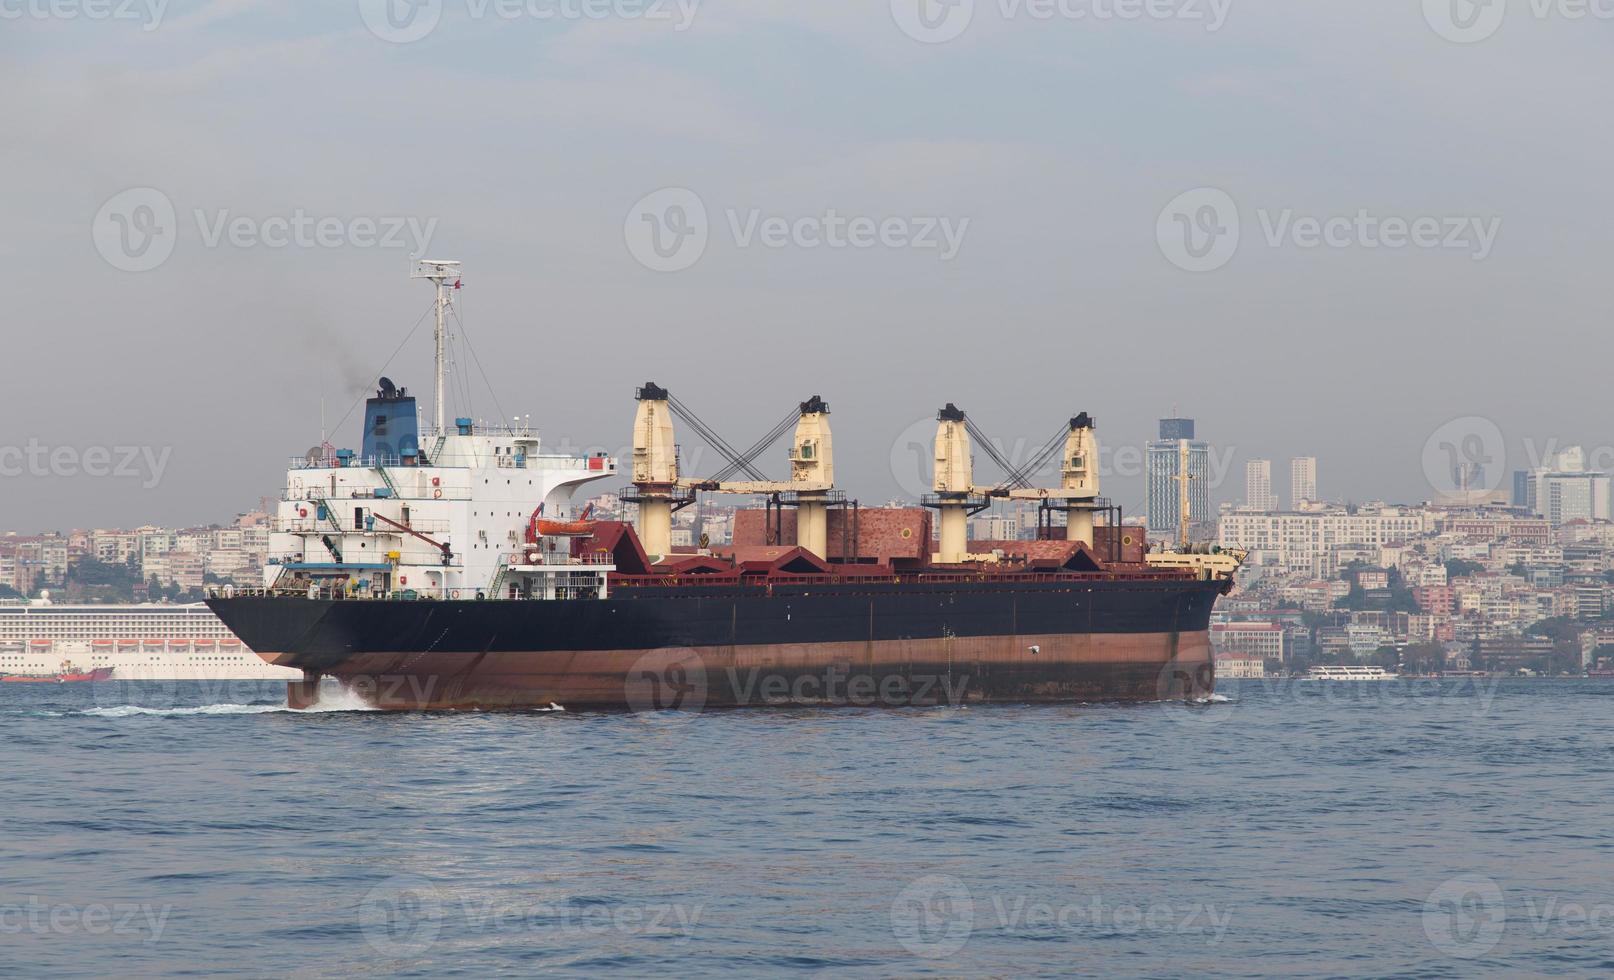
x: 333, y: 697
x: 132, y: 710
x: 331, y: 700
x: 1212, y: 699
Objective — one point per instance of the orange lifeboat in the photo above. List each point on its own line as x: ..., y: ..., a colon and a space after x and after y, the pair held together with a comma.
x: 539, y: 527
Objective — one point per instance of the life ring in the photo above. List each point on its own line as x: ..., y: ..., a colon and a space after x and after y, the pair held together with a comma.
x: 454, y: 594
x: 437, y: 494
x: 302, y: 512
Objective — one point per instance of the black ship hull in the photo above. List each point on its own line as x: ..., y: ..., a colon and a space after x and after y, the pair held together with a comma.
x: 693, y: 647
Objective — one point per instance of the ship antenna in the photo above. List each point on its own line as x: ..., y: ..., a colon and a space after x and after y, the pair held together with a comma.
x: 445, y: 276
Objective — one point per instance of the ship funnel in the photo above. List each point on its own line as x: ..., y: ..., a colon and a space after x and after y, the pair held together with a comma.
x: 812, y: 461
x: 655, y: 467
x: 391, y: 425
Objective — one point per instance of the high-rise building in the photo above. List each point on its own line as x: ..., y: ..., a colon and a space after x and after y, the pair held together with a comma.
x: 1165, y: 456
x: 1302, y: 481
x: 1258, y: 485
x: 1174, y: 429
x: 1524, y: 489
x: 1566, y: 491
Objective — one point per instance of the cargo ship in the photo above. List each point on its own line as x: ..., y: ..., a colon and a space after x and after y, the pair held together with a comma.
x: 442, y: 566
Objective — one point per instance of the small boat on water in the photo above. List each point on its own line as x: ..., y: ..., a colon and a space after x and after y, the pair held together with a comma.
x: 1350, y: 672
x: 67, y: 675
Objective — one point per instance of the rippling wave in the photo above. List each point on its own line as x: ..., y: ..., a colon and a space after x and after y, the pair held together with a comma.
x: 1280, y: 829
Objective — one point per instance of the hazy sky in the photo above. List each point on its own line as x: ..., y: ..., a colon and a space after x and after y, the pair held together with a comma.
x: 1004, y: 232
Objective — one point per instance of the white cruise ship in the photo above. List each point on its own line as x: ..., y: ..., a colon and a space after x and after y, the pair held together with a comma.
x: 1351, y: 672
x: 139, y: 642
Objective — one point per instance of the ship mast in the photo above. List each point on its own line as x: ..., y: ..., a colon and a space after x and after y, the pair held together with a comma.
x: 440, y: 274
x: 1184, y: 498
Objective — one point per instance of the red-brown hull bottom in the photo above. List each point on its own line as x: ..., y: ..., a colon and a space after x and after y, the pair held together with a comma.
x: 886, y: 673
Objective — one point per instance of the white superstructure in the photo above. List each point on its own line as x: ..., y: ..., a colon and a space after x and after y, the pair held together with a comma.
x: 147, y: 641
x: 438, y: 511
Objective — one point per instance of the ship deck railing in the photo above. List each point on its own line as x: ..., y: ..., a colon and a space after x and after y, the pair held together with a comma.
x: 600, y: 464
x: 401, y: 595
x: 738, y: 577
x: 314, y: 493
x: 553, y: 559
x: 351, y: 462
x: 308, y: 525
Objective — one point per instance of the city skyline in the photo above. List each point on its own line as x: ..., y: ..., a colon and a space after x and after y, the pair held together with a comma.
x: 1124, y: 469
x: 1063, y: 226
